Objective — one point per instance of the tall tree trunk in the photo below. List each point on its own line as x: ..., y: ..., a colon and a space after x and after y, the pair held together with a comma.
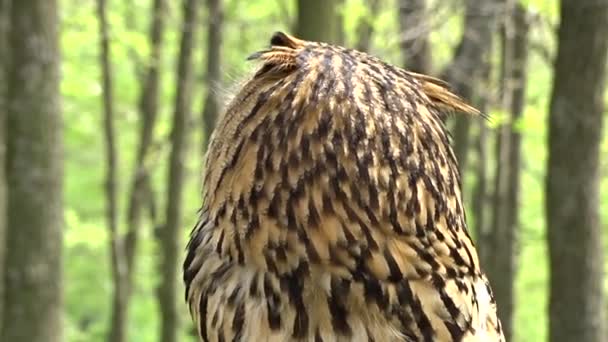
x: 214, y: 48
x: 365, y: 28
x: 340, y: 32
x: 317, y: 20
x: 576, y: 301
x: 140, y: 186
x: 507, y: 253
x: 504, y: 239
x: 480, y: 190
x: 111, y: 179
x: 464, y: 71
x: 480, y: 195
x: 498, y: 230
x: 148, y: 106
x: 34, y: 171
x: 170, y: 238
x: 414, y: 36
x: 4, y: 20
x: 469, y: 74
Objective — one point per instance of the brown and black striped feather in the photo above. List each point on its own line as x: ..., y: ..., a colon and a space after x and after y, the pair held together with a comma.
x: 332, y: 209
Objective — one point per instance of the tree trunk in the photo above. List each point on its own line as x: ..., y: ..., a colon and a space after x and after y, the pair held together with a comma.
x: 469, y: 75
x: 317, y: 20
x: 171, y: 234
x: 464, y: 71
x: 480, y: 196
x: 480, y: 191
x: 576, y: 301
x: 503, y: 240
x: 214, y: 49
x: 111, y: 179
x: 140, y: 187
x: 500, y: 239
x: 34, y: 171
x: 340, y: 32
x: 148, y: 106
x: 505, y: 246
x: 414, y: 36
x: 365, y: 28
x: 4, y: 20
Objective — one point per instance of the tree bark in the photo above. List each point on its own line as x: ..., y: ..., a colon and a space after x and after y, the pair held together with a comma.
x: 365, y: 28
x: 464, y: 71
x: 111, y: 179
x: 214, y: 49
x: 576, y: 302
x: 414, y: 36
x: 148, y: 106
x: 4, y: 20
x: 505, y: 241
x: 140, y: 184
x: 317, y: 20
x: 34, y: 171
x: 340, y: 32
x: 480, y: 190
x: 170, y: 239
x: 480, y: 196
x: 500, y: 239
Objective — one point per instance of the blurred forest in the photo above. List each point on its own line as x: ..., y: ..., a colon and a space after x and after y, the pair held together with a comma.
x: 106, y: 107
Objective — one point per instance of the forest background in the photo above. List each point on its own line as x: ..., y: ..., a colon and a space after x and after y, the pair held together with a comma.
x: 107, y: 107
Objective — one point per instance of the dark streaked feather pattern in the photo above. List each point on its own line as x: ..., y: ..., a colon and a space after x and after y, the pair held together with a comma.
x: 332, y: 208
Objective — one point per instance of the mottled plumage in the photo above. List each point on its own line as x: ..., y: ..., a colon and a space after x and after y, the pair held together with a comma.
x: 332, y: 208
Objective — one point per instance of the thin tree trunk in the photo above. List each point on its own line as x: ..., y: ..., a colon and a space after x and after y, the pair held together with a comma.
x: 317, y: 20
x: 140, y: 187
x: 576, y: 303
x: 506, y: 241
x: 480, y: 191
x: 504, y: 230
x: 34, y: 171
x: 111, y: 180
x: 414, y: 36
x: 340, y: 32
x: 214, y: 49
x: 500, y: 239
x: 139, y: 68
x: 4, y: 20
x: 464, y: 71
x: 480, y: 195
x: 171, y: 234
x: 365, y: 28
x: 148, y: 106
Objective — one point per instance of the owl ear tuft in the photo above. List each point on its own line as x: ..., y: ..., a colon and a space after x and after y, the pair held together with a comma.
x: 439, y: 92
x: 281, y: 57
x: 284, y: 40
